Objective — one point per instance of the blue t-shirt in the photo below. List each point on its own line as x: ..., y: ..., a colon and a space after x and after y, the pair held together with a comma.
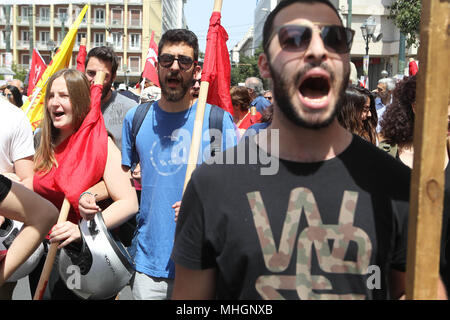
x: 260, y: 103
x: 163, y: 144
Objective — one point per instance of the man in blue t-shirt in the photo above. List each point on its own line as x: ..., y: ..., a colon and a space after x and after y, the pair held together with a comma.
x: 256, y: 90
x: 163, y: 144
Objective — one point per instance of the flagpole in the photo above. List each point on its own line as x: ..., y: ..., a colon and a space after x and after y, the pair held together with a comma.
x: 199, y: 116
x: 51, y: 255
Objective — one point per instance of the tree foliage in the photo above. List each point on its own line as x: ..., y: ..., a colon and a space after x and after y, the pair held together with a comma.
x: 406, y: 16
x: 247, y: 67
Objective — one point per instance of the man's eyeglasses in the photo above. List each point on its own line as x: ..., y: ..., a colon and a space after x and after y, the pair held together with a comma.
x: 194, y: 81
x: 297, y: 38
x: 166, y: 60
x: 8, y: 95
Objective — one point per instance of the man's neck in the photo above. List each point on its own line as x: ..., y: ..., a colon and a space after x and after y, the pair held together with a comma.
x: 386, y: 100
x: 176, y: 106
x: 300, y: 144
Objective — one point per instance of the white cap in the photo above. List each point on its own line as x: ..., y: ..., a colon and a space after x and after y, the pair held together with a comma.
x: 122, y: 86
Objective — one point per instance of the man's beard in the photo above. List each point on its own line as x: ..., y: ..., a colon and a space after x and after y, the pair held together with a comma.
x: 174, y: 95
x: 106, y: 89
x: 282, y: 96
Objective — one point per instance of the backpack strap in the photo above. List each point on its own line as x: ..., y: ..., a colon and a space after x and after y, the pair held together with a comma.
x: 215, y: 122
x: 138, y: 118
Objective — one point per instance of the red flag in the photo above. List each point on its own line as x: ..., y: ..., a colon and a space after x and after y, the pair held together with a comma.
x: 38, y: 67
x: 150, y: 72
x: 81, y: 58
x: 216, y: 67
x: 413, y: 68
x: 84, y: 159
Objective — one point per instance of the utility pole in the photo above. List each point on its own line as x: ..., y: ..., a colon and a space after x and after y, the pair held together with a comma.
x: 7, y: 10
x: 30, y: 21
x: 402, y: 54
x: 349, y: 15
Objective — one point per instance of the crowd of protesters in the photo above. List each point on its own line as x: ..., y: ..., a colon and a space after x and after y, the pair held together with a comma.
x: 233, y: 233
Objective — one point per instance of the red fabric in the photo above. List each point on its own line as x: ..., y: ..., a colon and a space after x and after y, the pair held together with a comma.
x: 81, y: 160
x: 37, y: 69
x: 150, y: 72
x: 3, y: 254
x: 216, y: 67
x: 413, y: 68
x: 250, y: 120
x: 81, y: 58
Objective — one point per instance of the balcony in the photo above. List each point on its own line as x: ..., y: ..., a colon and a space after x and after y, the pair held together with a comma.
x: 97, y: 44
x: 23, y: 44
x: 43, y: 22
x: 134, y: 48
x: 135, y: 23
x: 23, y: 21
x: 116, y: 23
x: 98, y: 23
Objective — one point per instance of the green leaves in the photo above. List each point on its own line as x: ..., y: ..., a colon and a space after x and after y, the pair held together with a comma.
x: 406, y: 16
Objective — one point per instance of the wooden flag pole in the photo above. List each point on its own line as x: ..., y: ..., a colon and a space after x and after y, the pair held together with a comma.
x: 427, y: 181
x: 198, y: 122
x: 48, y: 265
x: 51, y: 255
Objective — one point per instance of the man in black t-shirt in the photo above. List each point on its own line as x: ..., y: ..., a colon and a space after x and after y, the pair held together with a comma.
x: 311, y: 211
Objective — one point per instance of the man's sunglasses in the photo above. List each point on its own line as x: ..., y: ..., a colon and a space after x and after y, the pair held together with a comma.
x: 297, y: 38
x: 166, y: 60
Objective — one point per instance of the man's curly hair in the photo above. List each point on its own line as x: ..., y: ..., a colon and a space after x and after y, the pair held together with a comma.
x: 397, y: 124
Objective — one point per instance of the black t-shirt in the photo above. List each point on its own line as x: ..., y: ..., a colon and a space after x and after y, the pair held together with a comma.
x: 326, y: 230
x: 5, y: 186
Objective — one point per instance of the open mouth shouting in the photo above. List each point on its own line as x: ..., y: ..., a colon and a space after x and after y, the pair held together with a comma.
x: 314, y: 90
x: 58, y: 115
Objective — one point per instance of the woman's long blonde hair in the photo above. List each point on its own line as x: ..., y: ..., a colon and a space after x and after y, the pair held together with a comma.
x: 78, y: 88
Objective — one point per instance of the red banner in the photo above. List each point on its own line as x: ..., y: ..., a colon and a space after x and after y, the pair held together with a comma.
x: 150, y: 72
x: 38, y: 67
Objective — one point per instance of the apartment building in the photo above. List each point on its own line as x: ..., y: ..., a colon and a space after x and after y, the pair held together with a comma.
x: 125, y: 25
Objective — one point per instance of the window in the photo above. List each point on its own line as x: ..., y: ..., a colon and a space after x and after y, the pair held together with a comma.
x: 44, y: 37
x: 135, y: 18
x: 25, y: 36
x: 3, y: 37
x: 117, y: 40
x: 99, y: 39
x: 99, y: 16
x: 26, y: 11
x: 134, y: 64
x: 44, y: 14
x: 119, y: 63
x: 25, y: 59
x: 116, y: 17
x: 80, y: 35
x: 62, y: 14
x: 135, y: 41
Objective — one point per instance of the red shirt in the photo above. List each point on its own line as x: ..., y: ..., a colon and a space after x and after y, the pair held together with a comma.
x: 250, y: 120
x: 45, y: 185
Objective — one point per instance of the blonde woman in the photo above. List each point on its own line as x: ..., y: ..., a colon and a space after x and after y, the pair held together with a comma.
x: 67, y: 102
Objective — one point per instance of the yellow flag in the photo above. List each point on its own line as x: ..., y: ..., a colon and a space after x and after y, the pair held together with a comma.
x: 35, y: 104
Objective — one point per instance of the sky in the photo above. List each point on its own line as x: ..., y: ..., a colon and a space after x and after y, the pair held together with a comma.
x: 237, y: 18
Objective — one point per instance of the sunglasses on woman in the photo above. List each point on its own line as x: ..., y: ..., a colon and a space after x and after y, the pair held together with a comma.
x: 166, y: 60
x: 296, y: 38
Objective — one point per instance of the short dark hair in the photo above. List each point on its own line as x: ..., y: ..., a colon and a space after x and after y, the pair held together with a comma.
x: 105, y: 54
x: 177, y: 36
x: 17, y: 96
x: 268, y: 25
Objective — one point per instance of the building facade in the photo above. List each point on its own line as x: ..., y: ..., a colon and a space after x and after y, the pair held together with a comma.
x: 384, y: 54
x: 124, y: 25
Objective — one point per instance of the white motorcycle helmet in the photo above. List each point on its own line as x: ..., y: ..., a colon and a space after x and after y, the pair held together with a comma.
x: 98, y: 267
x: 8, y: 232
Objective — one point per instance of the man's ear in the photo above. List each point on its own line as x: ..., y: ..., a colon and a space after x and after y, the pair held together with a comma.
x: 197, y: 69
x: 263, y: 65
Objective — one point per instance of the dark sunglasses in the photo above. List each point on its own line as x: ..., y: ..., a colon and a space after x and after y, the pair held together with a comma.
x: 296, y: 38
x: 268, y: 98
x: 166, y: 60
x: 8, y: 95
x: 194, y: 81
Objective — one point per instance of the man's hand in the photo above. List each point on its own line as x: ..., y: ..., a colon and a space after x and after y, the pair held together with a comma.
x: 87, y: 206
x: 176, y: 206
x: 136, y: 174
x: 2, y: 219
